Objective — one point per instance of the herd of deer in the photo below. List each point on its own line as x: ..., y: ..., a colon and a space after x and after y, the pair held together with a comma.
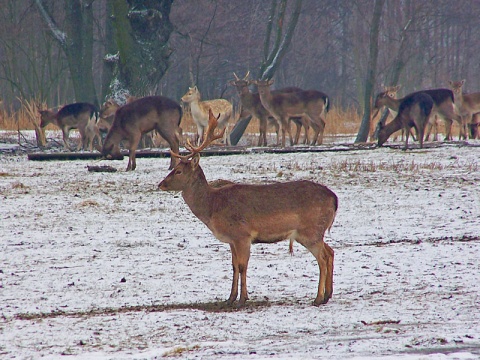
x: 240, y: 214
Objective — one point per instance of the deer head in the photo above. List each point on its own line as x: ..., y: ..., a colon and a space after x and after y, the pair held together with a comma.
x: 183, y: 173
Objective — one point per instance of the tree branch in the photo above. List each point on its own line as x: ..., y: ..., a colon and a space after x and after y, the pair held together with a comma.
x: 59, y: 35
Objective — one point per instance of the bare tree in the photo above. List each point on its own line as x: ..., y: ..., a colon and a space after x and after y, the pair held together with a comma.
x: 76, y: 40
x: 362, y: 135
x: 273, y: 57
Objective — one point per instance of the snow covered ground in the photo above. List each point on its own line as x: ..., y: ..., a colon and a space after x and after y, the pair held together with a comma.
x: 105, y: 266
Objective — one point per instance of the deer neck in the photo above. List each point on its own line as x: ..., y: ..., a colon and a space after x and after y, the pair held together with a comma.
x: 389, y: 129
x: 196, y: 109
x: 266, y: 99
x: 392, y: 104
x: 459, y: 100
x: 246, y: 97
x: 197, y: 196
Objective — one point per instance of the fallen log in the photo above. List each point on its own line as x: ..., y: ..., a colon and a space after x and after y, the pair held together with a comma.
x: 102, y: 168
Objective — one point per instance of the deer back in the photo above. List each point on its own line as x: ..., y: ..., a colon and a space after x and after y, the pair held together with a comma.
x: 144, y: 115
x: 76, y: 114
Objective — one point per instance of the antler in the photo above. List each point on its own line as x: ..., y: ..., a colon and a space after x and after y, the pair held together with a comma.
x: 245, y: 78
x: 209, y: 138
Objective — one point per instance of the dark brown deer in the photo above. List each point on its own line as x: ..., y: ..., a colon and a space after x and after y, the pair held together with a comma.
x: 444, y: 107
x: 308, y: 104
x: 139, y: 117
x: 467, y: 105
x: 414, y: 111
x: 252, y: 104
x: 81, y: 116
x: 241, y: 215
x: 107, y: 114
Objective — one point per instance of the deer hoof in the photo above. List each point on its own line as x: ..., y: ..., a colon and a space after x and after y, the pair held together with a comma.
x: 322, y: 301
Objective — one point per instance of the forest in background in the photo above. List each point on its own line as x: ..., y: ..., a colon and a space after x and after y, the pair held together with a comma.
x: 421, y: 45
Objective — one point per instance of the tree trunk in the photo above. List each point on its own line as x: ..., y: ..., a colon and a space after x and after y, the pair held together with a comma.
x: 111, y: 50
x: 142, y: 30
x: 280, y: 48
x: 77, y: 44
x: 362, y: 135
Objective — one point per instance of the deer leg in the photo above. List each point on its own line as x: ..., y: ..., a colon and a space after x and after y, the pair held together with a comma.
x: 242, y: 250
x: 306, y: 126
x: 420, y: 134
x: 448, y: 129
x: 318, y: 250
x: 133, y: 142
x: 277, y: 131
x: 99, y: 139
x: 283, y: 129
x: 329, y: 282
x: 298, y: 126
x: 407, y: 133
x: 172, y: 140
x: 428, y: 131
x: 234, y: 291
x: 199, y: 137
x: 65, y: 133
x: 262, y: 139
x: 83, y: 138
x: 318, y: 135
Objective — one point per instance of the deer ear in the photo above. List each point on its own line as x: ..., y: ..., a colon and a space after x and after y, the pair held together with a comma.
x: 270, y: 82
x: 195, y: 161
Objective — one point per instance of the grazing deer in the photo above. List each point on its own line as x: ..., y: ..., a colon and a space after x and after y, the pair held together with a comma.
x: 81, y: 116
x: 252, y: 104
x: 139, y: 117
x: 307, y: 104
x: 414, y: 111
x: 107, y: 114
x: 444, y: 107
x: 467, y: 104
x: 200, y: 108
x: 389, y: 99
x: 241, y: 215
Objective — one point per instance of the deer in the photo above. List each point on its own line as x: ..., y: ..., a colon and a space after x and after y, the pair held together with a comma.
x: 139, y: 117
x: 383, y: 99
x: 81, y: 116
x: 252, y: 104
x: 244, y: 214
x: 444, y: 107
x: 467, y: 105
x: 475, y: 126
x: 414, y: 111
x: 307, y: 104
x: 107, y: 114
x: 200, y: 108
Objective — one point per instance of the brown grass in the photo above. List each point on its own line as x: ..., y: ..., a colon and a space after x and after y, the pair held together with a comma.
x: 338, y: 122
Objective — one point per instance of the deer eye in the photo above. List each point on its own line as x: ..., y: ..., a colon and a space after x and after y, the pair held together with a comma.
x: 178, y: 172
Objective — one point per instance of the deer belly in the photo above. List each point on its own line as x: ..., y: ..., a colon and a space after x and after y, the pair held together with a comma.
x: 262, y: 229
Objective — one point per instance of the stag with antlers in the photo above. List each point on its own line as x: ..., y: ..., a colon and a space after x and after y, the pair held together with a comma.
x: 241, y: 215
